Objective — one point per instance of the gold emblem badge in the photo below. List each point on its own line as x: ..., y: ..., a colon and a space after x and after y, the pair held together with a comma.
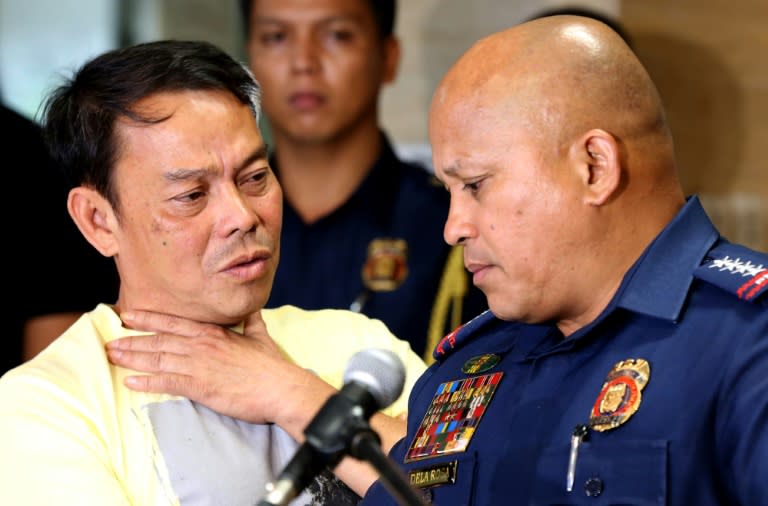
x: 621, y: 394
x: 480, y: 363
x: 386, y: 267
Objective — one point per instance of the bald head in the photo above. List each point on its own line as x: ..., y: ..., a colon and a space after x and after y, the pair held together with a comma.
x: 551, y: 139
x: 559, y: 76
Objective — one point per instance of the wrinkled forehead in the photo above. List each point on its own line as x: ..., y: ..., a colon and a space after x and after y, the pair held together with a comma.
x: 189, y: 129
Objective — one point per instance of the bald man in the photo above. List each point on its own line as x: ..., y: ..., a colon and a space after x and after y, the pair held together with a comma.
x: 624, y: 359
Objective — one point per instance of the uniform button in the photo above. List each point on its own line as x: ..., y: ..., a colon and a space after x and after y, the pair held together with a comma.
x: 593, y: 487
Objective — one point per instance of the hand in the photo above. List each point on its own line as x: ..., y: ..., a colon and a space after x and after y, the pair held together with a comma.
x: 243, y: 376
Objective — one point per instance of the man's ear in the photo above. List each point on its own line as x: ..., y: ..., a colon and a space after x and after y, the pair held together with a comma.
x: 95, y: 218
x: 598, y: 161
x: 391, y: 59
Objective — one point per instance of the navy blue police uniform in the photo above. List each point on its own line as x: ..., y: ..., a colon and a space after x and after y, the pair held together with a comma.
x: 662, y: 400
x: 381, y: 253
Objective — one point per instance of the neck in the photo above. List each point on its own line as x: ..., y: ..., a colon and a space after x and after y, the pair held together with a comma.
x: 630, y: 229
x: 155, y: 317
x: 318, y: 177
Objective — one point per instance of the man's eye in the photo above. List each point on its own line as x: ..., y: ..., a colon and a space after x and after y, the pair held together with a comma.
x: 191, y: 196
x: 473, y: 187
x: 340, y: 35
x: 270, y: 38
x: 256, y: 177
x: 255, y: 182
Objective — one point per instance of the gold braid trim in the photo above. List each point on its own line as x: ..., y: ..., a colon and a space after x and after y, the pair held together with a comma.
x: 453, y: 288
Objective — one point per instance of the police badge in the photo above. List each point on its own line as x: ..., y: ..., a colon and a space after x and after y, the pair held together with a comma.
x: 621, y: 394
x: 386, y: 267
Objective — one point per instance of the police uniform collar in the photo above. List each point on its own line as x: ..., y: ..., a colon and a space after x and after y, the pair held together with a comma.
x: 374, y: 192
x: 462, y: 334
x: 382, y: 181
x: 522, y: 339
x: 657, y: 285
x: 659, y: 282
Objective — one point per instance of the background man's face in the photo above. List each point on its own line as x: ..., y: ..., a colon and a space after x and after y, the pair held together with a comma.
x: 321, y: 64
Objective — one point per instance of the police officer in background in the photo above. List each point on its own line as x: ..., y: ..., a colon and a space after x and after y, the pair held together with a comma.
x: 362, y: 229
x: 624, y: 358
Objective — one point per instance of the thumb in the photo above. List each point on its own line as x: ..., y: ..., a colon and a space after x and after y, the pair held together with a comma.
x: 255, y: 326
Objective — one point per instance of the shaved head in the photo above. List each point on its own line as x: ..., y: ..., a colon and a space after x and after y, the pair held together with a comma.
x: 560, y: 75
x: 552, y: 140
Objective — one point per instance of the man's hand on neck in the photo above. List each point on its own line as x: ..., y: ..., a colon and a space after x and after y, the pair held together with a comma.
x: 245, y: 376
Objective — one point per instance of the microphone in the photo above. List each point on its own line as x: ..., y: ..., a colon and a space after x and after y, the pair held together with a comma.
x: 373, y: 380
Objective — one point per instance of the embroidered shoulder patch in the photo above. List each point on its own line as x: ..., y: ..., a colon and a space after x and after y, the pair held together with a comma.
x: 736, y: 269
x: 450, y: 342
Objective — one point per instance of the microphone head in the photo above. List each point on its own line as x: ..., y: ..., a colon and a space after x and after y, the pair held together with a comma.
x: 380, y: 371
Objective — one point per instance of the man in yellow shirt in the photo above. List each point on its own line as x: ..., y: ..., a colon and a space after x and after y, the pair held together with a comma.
x: 171, y: 179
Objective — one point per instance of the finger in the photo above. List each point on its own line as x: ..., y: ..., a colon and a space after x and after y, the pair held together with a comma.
x: 151, y: 321
x: 201, y: 347
x: 174, y: 384
x: 154, y: 362
x: 168, y: 343
x: 256, y: 331
x: 254, y: 325
x: 142, y: 342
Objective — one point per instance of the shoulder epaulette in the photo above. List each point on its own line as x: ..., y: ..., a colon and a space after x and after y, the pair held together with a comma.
x: 736, y: 269
x: 453, y: 340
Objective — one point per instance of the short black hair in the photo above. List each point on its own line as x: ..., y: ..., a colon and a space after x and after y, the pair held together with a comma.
x: 587, y: 13
x: 80, y: 115
x: 384, y: 12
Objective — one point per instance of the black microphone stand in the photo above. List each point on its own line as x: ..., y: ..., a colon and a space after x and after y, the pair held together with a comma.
x: 341, y: 428
x: 360, y: 442
x: 366, y: 445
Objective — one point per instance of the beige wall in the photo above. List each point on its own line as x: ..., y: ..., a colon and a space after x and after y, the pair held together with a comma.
x: 710, y: 61
x: 708, y: 57
x: 433, y: 34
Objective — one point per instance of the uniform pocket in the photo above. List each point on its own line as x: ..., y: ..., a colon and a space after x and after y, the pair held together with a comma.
x: 608, y: 473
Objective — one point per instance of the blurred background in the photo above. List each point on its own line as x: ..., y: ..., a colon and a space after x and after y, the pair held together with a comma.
x: 709, y: 59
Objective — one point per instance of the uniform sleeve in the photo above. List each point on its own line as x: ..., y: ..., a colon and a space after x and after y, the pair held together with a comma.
x: 742, y: 417
x: 51, y: 454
